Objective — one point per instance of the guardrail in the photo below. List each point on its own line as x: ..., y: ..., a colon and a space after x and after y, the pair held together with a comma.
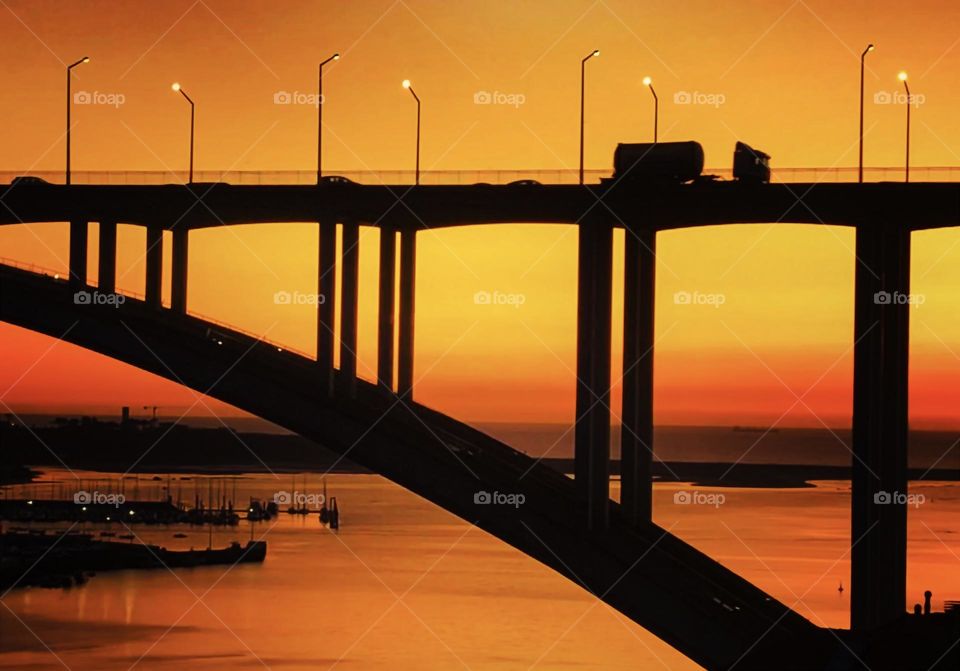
x: 460, y: 177
x: 62, y: 276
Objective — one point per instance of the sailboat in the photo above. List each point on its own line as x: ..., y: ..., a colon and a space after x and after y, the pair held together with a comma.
x: 324, y: 511
x: 292, y: 510
x: 334, y: 515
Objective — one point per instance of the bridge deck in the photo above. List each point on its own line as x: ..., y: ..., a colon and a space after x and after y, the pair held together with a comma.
x: 660, y: 206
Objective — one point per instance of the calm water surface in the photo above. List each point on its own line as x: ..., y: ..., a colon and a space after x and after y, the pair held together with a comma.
x: 407, y: 586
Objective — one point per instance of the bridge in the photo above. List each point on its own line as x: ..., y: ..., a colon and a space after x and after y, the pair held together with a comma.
x: 614, y: 550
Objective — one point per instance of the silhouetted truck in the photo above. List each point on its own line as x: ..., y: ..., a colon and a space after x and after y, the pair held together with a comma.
x: 750, y: 165
x: 658, y: 161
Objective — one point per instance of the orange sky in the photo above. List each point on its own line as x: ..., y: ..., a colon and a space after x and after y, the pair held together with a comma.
x: 787, y: 73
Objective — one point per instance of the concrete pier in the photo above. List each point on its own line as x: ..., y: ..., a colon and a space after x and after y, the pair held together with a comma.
x: 879, y: 475
x: 592, y: 432
x: 636, y: 436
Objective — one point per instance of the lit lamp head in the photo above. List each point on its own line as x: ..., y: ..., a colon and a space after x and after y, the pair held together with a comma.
x: 903, y: 77
x: 175, y: 86
x: 85, y: 59
x: 870, y: 47
x: 647, y: 81
x: 596, y: 52
x: 406, y: 83
x: 336, y: 56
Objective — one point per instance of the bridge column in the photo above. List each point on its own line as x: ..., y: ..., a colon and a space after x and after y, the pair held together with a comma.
x: 326, y: 303
x: 107, y: 252
x: 178, y: 262
x: 408, y: 273
x: 879, y: 469
x: 154, y: 286
x: 386, y: 305
x: 636, y: 437
x: 349, y: 307
x: 78, y: 253
x: 592, y: 431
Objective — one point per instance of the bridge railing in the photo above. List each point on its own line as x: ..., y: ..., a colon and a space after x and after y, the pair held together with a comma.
x: 461, y: 177
x: 128, y: 293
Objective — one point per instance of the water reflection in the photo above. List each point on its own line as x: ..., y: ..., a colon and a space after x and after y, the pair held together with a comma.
x: 406, y: 585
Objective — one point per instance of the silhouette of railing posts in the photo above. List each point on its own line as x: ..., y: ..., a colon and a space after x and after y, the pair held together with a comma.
x: 78, y: 253
x: 408, y: 273
x: 880, y: 398
x: 386, y: 307
x: 154, y: 254
x: 636, y: 433
x: 178, y: 269
x: 592, y: 431
x: 107, y: 257
x: 326, y: 302
x: 349, y: 307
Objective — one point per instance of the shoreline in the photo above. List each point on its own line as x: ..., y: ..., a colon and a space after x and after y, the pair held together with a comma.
x: 702, y: 474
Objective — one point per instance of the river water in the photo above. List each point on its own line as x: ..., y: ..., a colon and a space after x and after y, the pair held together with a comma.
x: 405, y: 585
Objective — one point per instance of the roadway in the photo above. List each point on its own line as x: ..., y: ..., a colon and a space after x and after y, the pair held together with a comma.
x: 916, y: 206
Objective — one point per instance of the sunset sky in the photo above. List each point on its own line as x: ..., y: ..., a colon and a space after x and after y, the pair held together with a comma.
x: 782, y: 75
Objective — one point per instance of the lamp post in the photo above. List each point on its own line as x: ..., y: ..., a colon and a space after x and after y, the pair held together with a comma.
x: 583, y: 69
x: 903, y: 77
x: 656, y: 106
x: 863, y: 56
x: 406, y: 85
x: 177, y: 87
x: 85, y: 59
x: 335, y: 57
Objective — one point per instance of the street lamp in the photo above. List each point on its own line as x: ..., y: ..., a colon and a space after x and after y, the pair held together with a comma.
x: 583, y: 68
x: 176, y: 87
x: 903, y: 77
x: 656, y: 106
x: 335, y: 57
x: 863, y: 56
x: 406, y: 85
x: 85, y: 59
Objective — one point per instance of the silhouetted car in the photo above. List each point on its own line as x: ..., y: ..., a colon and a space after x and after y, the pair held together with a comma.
x: 336, y: 179
x: 658, y: 161
x: 30, y: 180
x: 217, y: 337
x: 524, y: 182
x: 750, y: 165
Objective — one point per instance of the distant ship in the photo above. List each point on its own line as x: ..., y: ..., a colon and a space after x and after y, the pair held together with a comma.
x: 755, y: 429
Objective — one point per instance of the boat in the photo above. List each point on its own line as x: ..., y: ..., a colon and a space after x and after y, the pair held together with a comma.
x: 334, y: 514
x: 755, y: 429
x: 251, y: 552
x: 53, y: 556
x: 257, y: 512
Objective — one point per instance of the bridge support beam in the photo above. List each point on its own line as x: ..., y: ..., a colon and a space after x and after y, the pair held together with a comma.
x: 178, y: 263
x: 78, y: 253
x: 107, y: 253
x: 408, y: 274
x: 592, y: 431
x: 349, y: 307
x: 386, y: 306
x: 326, y: 302
x: 636, y: 436
x: 879, y: 470
x: 154, y: 284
